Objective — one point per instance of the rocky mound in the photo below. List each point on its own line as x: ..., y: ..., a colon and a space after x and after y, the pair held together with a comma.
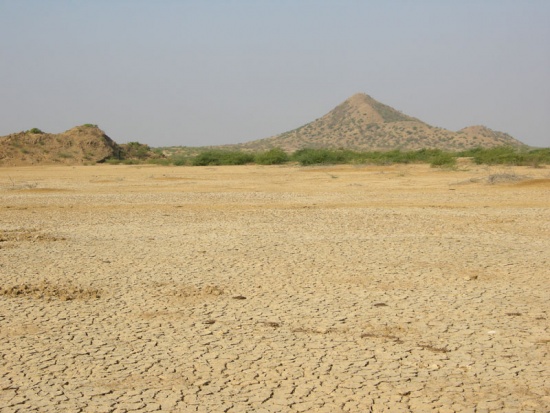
x: 488, y: 137
x: 82, y: 144
x: 364, y: 124
x: 86, y: 144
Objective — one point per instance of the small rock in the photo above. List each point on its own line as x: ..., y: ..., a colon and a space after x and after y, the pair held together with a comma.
x: 239, y: 297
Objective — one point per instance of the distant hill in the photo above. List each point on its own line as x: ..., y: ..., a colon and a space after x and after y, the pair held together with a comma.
x: 364, y: 124
x: 79, y: 145
x: 360, y: 123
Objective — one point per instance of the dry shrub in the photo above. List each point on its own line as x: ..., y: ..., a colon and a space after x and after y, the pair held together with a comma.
x: 434, y: 349
x: 500, y: 178
x: 32, y: 235
x: 381, y: 335
x: 48, y: 291
x: 503, y: 178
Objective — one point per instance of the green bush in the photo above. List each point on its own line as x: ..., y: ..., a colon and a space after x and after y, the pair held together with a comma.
x: 136, y: 150
x: 537, y: 157
x: 390, y: 157
x: 35, y: 131
x: 505, y: 155
x: 435, y: 157
x: 310, y: 156
x: 131, y: 162
x: 496, y: 156
x: 159, y: 161
x: 275, y: 156
x: 443, y: 159
x: 180, y: 160
x: 222, y: 157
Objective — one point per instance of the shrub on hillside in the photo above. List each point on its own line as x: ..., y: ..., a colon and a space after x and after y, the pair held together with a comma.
x: 136, y: 150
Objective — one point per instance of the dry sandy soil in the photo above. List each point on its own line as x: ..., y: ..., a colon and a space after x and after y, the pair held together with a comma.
x: 274, y: 289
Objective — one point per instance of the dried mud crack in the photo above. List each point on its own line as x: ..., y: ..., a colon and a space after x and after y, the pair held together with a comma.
x: 275, y: 289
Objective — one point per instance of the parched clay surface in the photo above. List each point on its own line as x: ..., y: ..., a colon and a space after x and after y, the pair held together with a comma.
x: 274, y: 289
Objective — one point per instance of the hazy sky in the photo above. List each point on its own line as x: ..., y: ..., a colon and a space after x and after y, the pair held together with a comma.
x: 170, y: 72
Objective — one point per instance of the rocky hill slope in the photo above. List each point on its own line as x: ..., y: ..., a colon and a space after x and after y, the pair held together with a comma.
x: 86, y: 144
x: 364, y: 124
x: 82, y: 144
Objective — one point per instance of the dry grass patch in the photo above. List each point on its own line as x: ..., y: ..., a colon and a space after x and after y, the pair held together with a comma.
x: 393, y: 333
x: 11, y: 235
x: 308, y: 330
x: 434, y: 349
x: 504, y: 178
x: 48, y: 291
x: 381, y: 335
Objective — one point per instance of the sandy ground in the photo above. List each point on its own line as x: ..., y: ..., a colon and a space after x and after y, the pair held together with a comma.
x: 274, y: 289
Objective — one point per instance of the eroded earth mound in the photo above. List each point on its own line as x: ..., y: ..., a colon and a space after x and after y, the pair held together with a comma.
x: 81, y: 144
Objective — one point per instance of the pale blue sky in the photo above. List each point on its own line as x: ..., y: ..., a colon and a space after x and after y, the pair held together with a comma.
x: 170, y: 72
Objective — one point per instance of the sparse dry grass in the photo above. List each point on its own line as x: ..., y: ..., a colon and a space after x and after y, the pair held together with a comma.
x: 503, y: 178
x: 32, y: 235
x: 49, y: 291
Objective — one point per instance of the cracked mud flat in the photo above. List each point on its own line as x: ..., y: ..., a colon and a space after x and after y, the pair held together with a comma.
x: 274, y: 289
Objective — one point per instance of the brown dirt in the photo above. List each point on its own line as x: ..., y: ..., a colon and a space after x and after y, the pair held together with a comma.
x: 76, y: 146
x: 81, y: 145
x: 274, y: 289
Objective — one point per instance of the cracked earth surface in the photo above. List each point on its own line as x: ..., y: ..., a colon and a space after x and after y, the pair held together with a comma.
x: 274, y: 289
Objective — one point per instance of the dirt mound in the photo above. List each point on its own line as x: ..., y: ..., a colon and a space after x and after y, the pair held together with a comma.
x: 82, y: 144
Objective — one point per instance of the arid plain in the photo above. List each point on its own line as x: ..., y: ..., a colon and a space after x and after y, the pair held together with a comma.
x: 274, y: 289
